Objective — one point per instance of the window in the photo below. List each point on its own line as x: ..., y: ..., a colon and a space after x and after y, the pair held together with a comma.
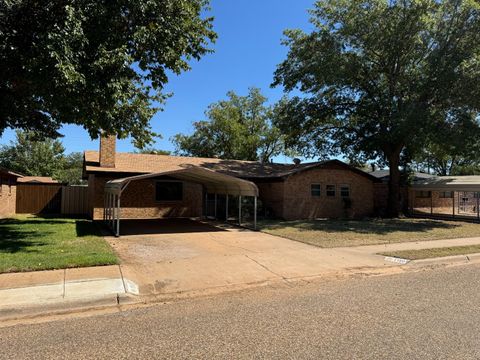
x: 316, y: 190
x: 446, y: 194
x: 330, y: 190
x: 345, y: 191
x: 168, y: 191
x: 422, y: 194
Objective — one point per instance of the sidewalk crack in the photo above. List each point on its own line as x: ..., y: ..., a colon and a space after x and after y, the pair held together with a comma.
x: 266, y: 268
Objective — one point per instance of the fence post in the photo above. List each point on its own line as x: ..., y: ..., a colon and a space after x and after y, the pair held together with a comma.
x: 226, y: 207
x: 118, y: 215
x: 255, y: 213
x: 240, y: 210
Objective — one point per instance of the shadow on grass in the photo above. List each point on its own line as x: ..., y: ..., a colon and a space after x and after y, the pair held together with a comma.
x: 14, y: 238
x: 33, y: 221
x: 372, y: 226
x: 87, y: 228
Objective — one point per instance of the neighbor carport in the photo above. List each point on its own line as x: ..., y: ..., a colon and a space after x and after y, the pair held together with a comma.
x: 212, y: 182
x: 446, y: 197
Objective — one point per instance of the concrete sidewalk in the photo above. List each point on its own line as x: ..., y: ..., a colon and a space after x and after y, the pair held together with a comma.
x: 416, y: 245
x: 61, y: 289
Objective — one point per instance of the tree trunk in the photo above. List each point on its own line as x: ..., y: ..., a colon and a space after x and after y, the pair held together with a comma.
x: 393, y: 204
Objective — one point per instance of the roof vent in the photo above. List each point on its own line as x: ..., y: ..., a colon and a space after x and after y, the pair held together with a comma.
x: 297, y: 161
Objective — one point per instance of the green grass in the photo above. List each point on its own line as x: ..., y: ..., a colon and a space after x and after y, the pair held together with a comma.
x: 434, y: 253
x: 337, y: 233
x: 30, y: 243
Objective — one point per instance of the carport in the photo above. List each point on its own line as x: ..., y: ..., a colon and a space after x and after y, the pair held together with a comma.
x: 446, y: 197
x: 212, y: 182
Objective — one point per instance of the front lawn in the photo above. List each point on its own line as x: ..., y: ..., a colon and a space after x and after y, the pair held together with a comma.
x: 337, y: 233
x: 434, y: 252
x: 35, y: 243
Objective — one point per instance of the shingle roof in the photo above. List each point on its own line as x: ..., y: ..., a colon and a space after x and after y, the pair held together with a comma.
x: 150, y: 163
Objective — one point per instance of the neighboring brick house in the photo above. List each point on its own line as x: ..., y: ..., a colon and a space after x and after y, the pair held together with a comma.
x: 328, y: 189
x: 446, y: 196
x: 381, y: 189
x: 8, y: 192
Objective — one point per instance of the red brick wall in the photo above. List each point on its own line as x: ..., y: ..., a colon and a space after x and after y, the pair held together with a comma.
x: 381, y: 198
x: 299, y: 204
x: 271, y: 194
x: 8, y: 197
x: 138, y: 200
x: 424, y: 205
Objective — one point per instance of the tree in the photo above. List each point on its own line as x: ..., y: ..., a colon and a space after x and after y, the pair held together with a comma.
x: 237, y: 128
x: 32, y: 155
x: 98, y: 64
x: 460, y: 153
x: 152, y: 151
x: 72, y: 170
x: 378, y: 77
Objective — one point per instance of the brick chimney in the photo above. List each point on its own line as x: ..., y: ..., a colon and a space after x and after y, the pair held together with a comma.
x: 107, y: 151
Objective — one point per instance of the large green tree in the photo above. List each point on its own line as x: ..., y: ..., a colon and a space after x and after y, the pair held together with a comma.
x: 237, y: 128
x: 100, y: 64
x: 71, y: 170
x: 31, y: 154
x: 453, y: 148
x: 377, y: 77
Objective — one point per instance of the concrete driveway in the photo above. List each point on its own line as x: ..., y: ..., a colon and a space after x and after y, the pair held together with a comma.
x: 181, y: 255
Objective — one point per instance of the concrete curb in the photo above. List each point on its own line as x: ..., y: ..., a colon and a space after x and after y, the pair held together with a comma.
x: 446, y: 260
x: 30, y: 311
x: 77, y: 295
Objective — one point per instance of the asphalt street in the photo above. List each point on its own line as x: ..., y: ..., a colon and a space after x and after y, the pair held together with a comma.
x: 430, y: 314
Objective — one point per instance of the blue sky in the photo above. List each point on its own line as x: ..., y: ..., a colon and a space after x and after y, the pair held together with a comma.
x: 246, y: 54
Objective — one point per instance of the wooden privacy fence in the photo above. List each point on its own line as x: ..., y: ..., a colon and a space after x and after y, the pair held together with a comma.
x: 52, y: 199
x: 39, y: 198
x: 74, y: 200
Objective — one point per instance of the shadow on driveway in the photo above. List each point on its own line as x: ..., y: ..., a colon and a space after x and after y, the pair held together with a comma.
x: 165, y: 226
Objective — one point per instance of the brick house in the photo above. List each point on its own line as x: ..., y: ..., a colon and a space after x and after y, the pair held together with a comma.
x: 154, y: 186
x: 8, y: 192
